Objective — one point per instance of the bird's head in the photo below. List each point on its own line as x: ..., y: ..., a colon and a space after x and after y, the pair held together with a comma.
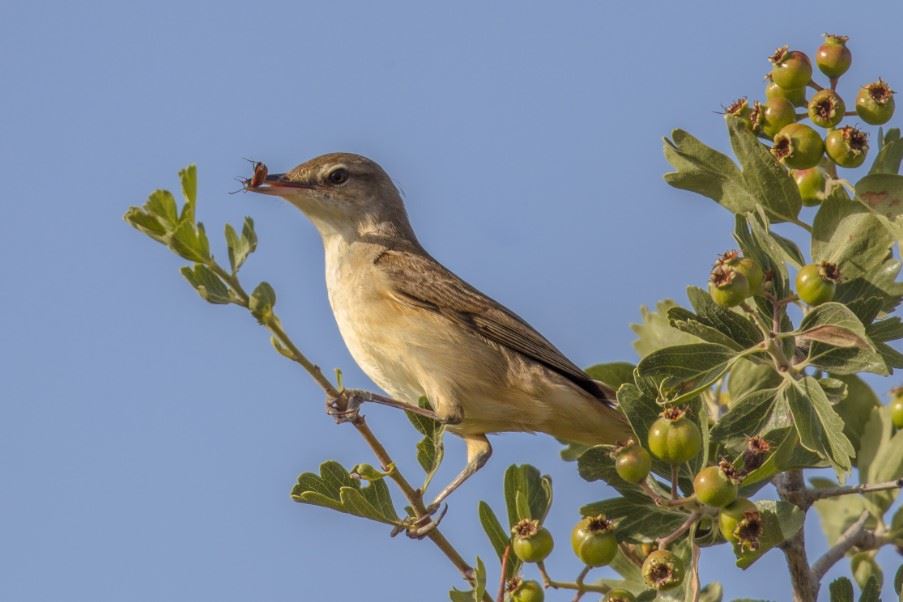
x: 342, y: 194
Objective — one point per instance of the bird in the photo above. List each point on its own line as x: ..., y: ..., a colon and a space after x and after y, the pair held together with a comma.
x: 418, y: 330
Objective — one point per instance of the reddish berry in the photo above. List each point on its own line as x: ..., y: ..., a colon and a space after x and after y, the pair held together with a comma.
x: 593, y: 540
x: 674, y: 438
x: 662, y: 570
x: 531, y: 542
x: 796, y: 96
x: 798, y: 146
x: 619, y: 595
x: 790, y: 68
x: 833, y: 57
x: 875, y: 103
x: 826, y: 108
x: 771, y: 117
x: 811, y: 183
x: 716, y: 485
x: 816, y: 282
x: 632, y: 462
x: 847, y: 146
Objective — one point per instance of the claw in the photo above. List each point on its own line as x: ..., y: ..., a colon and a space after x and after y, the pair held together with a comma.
x: 421, y: 527
x: 344, y: 408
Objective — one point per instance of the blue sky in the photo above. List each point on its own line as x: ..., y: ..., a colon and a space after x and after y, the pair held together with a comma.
x: 148, y: 441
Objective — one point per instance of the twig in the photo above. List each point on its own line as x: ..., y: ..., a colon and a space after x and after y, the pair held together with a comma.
x: 666, y: 541
x: 694, y: 572
x: 818, y: 494
x: 579, y: 586
x: 500, y: 597
x: 846, y: 541
x: 675, y: 475
x: 790, y: 486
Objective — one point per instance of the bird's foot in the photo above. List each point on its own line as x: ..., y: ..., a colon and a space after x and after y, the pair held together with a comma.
x: 420, y: 527
x: 346, y: 407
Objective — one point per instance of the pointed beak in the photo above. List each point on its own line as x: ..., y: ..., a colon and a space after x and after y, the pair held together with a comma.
x: 263, y: 182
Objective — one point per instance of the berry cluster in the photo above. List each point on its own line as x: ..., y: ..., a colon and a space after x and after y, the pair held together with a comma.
x: 798, y: 146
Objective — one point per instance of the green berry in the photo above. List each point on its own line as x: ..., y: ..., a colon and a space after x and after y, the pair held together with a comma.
x: 796, y: 96
x: 632, y: 462
x: 727, y: 286
x: 833, y: 57
x: 619, y: 595
x: 593, y: 540
x: 790, y: 68
x: 798, y: 146
x: 875, y: 103
x: 826, y: 108
x: 662, y: 570
x: 896, y: 408
x: 716, y: 485
x: 811, y: 183
x: 771, y: 117
x: 674, y: 438
x: 528, y: 591
x: 847, y: 146
x: 531, y: 542
x: 816, y: 282
x: 741, y: 523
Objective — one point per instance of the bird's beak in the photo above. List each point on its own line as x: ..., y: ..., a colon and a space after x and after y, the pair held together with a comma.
x: 274, y: 184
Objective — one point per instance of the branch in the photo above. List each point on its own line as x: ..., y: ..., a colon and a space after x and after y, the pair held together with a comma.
x: 846, y: 541
x: 501, y: 595
x: 790, y: 486
x: 666, y: 541
x: 579, y: 586
x: 818, y: 494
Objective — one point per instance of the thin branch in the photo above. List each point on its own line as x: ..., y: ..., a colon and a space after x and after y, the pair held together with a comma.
x: 846, y: 541
x: 578, y: 585
x: 500, y: 597
x: 790, y: 486
x: 666, y: 541
x: 818, y: 494
x: 694, y: 573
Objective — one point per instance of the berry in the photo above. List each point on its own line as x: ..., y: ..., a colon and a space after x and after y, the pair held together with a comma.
x: 896, y: 408
x: 747, y: 266
x: 816, y: 282
x: 619, y: 595
x: 741, y: 523
x: 771, y: 117
x: 727, y: 286
x: 528, y: 591
x: 798, y: 146
x: 790, y: 68
x: 826, y: 108
x: 833, y: 57
x: 847, y: 146
x: 716, y: 485
x: 797, y: 96
x: 531, y: 543
x: 674, y: 438
x: 662, y: 570
x: 593, y: 540
x: 875, y: 103
x: 632, y: 462
x: 811, y: 183
x: 740, y: 109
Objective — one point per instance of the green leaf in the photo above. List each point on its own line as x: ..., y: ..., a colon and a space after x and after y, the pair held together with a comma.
x: 190, y: 242
x: 685, y: 370
x: 869, y: 294
x: 780, y: 520
x: 898, y: 581
x: 871, y: 591
x: 498, y: 537
x: 162, y: 205
x: 712, y: 592
x: 819, y: 427
x: 613, y: 374
x: 189, y: 179
x: 747, y: 416
x: 480, y: 574
x: 656, y: 331
x: 262, y: 302
x: 880, y: 456
x: 704, y: 170
x: 833, y: 324
x: 430, y: 449
x: 848, y: 235
x: 841, y: 590
x: 597, y: 464
x: 207, y: 284
x: 535, y: 488
x: 686, y: 321
x: 856, y: 407
x: 765, y: 179
x: 882, y: 194
x: 890, y: 154
x: 240, y: 246
x: 636, y: 518
x: 146, y: 223
x: 334, y: 488
x: 738, y: 327
x: 836, y: 514
x: 747, y: 375
x: 757, y: 241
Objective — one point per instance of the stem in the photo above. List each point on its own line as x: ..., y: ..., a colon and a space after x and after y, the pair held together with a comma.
x: 666, y: 541
x: 805, y: 586
x: 414, y: 498
x: 577, y: 585
x: 818, y: 494
x: 500, y: 597
x: 674, y: 477
x: 694, y: 572
x: 846, y: 541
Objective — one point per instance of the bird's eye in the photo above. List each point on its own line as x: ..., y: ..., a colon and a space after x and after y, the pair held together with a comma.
x: 338, y: 176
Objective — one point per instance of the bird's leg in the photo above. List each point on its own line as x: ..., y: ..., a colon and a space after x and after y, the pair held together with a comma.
x: 346, y: 407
